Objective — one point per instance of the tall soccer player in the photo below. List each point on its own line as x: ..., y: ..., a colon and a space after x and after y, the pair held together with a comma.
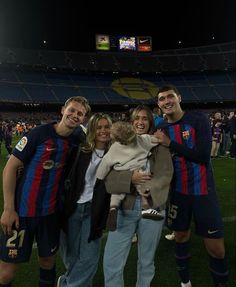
x: 32, y: 202
x: 188, y: 135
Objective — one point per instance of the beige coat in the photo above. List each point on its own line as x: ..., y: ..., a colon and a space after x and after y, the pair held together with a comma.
x: 162, y: 170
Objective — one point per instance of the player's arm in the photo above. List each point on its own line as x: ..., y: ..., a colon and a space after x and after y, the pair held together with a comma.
x: 9, y: 215
x: 201, y: 152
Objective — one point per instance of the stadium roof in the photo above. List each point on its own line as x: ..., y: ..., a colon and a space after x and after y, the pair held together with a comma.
x: 72, y: 25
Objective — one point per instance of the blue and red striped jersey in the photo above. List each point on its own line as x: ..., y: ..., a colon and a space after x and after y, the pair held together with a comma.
x: 44, y: 154
x: 216, y: 134
x: 190, y: 145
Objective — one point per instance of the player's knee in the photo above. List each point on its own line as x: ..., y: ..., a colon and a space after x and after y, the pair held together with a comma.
x: 215, y: 248
x: 47, y: 262
x: 182, y: 236
x: 217, y: 252
x: 7, y: 273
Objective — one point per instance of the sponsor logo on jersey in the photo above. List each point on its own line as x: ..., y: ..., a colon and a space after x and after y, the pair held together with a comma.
x: 48, y: 164
x: 22, y: 143
x: 58, y: 165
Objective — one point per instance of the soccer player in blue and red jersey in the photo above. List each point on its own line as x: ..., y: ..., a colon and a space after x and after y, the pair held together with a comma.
x: 188, y: 135
x: 32, y: 204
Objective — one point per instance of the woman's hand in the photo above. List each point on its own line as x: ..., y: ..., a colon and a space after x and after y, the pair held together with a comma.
x: 139, y: 178
x: 146, y: 193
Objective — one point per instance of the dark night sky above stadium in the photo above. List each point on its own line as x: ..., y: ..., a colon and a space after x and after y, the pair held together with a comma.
x: 72, y: 25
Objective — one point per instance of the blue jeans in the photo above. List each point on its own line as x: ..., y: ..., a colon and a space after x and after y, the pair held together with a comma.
x: 119, y: 243
x: 80, y: 257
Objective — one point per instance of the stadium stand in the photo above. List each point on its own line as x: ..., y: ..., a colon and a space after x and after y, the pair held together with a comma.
x: 106, y: 63
x: 203, y: 75
x: 214, y: 57
x: 13, y: 93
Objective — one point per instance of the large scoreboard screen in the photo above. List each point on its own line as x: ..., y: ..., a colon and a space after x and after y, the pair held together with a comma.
x: 144, y: 44
x: 127, y: 43
x: 103, y: 42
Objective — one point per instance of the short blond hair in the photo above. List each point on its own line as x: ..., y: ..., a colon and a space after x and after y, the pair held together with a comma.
x: 123, y: 132
x: 83, y: 101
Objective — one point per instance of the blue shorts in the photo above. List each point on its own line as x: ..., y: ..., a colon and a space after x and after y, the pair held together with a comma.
x: 203, y: 208
x: 45, y: 230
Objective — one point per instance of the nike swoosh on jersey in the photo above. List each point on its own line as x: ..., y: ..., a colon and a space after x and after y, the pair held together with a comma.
x: 49, y: 149
x: 212, y: 231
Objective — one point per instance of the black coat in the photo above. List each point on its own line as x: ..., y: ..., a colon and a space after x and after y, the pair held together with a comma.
x: 74, y: 186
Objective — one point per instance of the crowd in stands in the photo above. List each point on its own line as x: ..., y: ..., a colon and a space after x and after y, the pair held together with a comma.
x: 223, y: 125
x: 29, y: 117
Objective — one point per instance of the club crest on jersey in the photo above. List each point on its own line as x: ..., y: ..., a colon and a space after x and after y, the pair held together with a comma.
x: 22, y: 143
x: 12, y: 253
x: 186, y: 135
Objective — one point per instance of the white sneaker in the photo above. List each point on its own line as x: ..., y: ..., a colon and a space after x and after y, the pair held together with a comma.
x: 152, y: 214
x: 58, y: 281
x: 135, y: 238
x: 188, y: 284
x: 170, y: 236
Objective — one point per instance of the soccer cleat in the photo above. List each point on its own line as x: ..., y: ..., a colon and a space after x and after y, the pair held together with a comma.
x: 152, y: 214
x: 188, y: 284
x: 170, y: 236
x: 135, y: 238
x: 58, y: 281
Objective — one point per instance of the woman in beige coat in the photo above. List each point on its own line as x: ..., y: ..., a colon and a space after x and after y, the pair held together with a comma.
x: 130, y: 218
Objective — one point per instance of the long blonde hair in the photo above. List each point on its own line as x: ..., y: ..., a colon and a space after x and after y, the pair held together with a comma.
x: 90, y: 143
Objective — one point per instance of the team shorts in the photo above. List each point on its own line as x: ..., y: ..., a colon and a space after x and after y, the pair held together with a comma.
x: 17, y: 247
x: 204, y: 209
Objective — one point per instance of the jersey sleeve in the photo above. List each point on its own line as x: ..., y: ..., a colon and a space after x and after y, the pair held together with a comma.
x: 26, y: 147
